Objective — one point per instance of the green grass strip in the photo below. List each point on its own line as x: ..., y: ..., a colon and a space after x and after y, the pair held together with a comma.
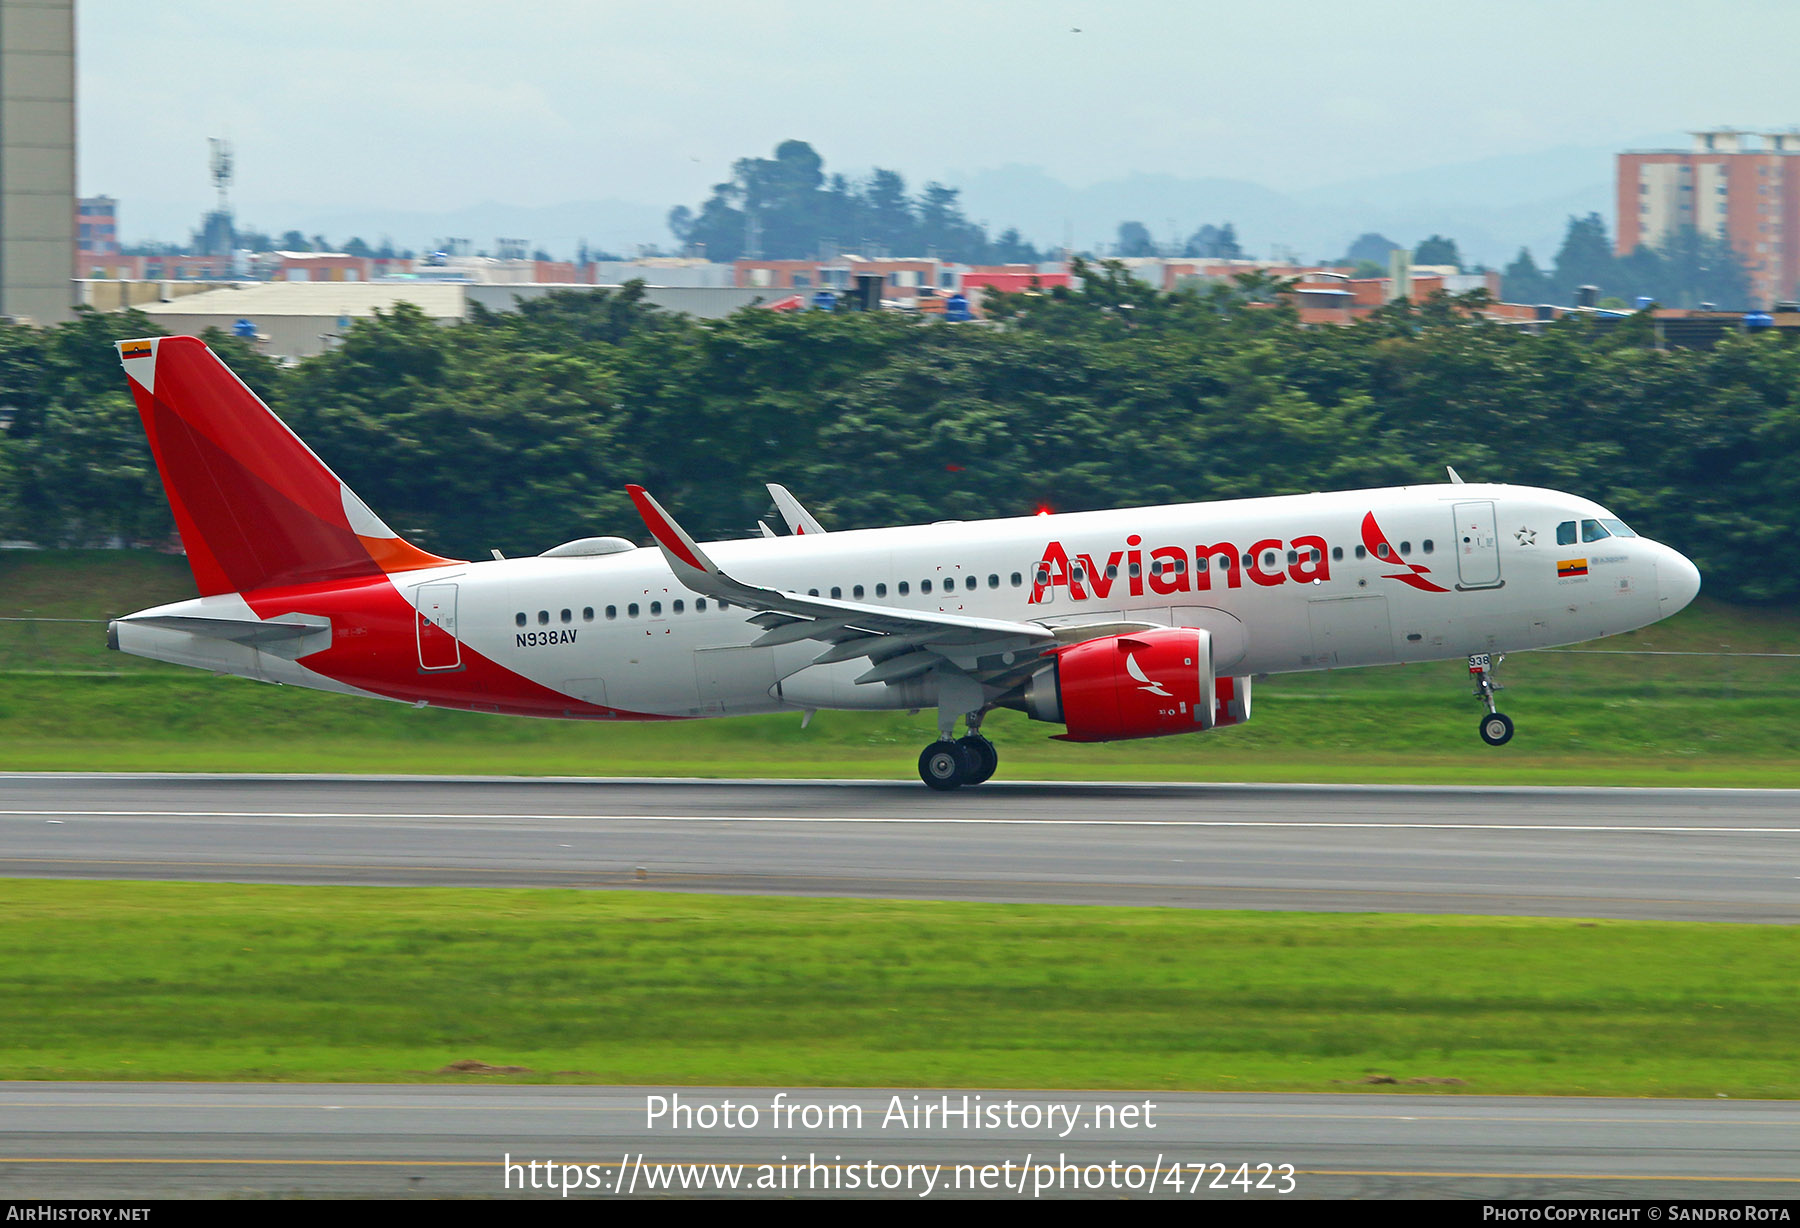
x: 110, y: 980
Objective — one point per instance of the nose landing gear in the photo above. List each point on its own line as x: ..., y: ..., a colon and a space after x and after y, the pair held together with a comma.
x: 1496, y: 727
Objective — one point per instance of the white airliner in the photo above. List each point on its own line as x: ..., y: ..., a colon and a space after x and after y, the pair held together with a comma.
x: 1134, y: 623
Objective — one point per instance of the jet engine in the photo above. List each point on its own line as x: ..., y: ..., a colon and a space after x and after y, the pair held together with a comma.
x: 1146, y: 684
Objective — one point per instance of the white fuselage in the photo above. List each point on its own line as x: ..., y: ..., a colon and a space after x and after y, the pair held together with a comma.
x: 1489, y: 574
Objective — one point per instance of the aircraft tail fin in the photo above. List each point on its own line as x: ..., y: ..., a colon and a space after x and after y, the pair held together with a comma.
x: 255, y: 508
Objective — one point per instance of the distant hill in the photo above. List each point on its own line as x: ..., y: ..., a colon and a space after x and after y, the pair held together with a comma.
x: 1490, y: 206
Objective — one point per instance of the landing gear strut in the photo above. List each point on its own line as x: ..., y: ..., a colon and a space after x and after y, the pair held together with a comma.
x: 950, y: 764
x: 1496, y: 727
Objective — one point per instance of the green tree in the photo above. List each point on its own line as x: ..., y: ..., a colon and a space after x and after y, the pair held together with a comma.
x: 1585, y: 259
x: 1371, y: 247
x: 1134, y: 240
x: 1214, y: 243
x: 1438, y: 250
x: 1522, y: 281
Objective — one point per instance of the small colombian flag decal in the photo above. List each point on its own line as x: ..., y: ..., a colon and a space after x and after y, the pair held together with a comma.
x: 135, y: 349
x: 1571, y: 567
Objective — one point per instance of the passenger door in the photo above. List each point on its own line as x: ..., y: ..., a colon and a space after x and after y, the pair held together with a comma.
x: 1477, y: 546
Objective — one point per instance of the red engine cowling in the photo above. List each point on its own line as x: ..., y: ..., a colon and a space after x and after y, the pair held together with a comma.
x: 1147, y: 684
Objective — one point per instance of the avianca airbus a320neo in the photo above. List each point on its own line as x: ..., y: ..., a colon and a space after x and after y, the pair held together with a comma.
x: 1134, y: 623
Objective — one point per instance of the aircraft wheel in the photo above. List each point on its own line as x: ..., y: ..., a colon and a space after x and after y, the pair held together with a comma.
x: 982, y: 759
x: 942, y: 766
x: 1496, y: 729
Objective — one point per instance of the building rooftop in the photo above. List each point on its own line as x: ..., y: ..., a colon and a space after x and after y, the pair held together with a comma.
x: 316, y: 298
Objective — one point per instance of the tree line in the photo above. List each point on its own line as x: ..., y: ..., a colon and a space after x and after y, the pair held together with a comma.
x: 1687, y: 269
x: 518, y: 430
x: 787, y: 208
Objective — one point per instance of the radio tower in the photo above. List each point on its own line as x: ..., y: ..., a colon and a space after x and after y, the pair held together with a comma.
x: 217, y: 235
x: 221, y: 170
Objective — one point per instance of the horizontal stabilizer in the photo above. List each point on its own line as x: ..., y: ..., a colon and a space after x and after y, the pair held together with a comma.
x: 238, y: 630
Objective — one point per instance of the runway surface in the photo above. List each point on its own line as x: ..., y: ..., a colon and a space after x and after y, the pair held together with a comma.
x: 1717, y: 855
x: 192, y: 1140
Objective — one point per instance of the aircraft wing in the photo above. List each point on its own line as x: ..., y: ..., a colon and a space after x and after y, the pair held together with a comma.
x: 900, y: 643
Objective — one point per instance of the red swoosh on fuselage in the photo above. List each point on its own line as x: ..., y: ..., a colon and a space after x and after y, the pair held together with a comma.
x: 1373, y: 538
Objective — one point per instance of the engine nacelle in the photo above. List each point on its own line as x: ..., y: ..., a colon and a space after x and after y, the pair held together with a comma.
x: 1147, y: 684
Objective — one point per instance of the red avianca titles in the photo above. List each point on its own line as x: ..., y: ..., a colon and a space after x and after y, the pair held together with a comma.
x: 1121, y: 624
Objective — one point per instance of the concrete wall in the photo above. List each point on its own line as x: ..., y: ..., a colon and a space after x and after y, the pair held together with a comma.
x: 37, y: 159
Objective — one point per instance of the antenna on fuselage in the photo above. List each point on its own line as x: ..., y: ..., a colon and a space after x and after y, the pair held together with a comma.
x: 1455, y: 477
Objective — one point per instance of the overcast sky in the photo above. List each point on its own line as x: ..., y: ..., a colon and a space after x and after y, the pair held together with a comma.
x: 394, y: 104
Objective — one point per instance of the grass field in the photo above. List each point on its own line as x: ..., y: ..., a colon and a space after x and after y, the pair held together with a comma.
x: 68, y: 704
x: 193, y: 981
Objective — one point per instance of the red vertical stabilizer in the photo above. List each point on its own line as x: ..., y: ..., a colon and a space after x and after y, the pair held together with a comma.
x: 254, y: 506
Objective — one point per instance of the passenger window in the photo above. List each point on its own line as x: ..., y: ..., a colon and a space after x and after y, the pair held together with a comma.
x: 1337, y: 554
x: 655, y: 607
x: 1593, y: 531
x: 1137, y: 570
x: 1293, y: 556
x: 1565, y: 533
x: 904, y: 588
x: 1017, y: 579
x: 1156, y: 567
x: 587, y: 614
x: 632, y: 609
x: 568, y: 616
x: 1361, y: 553
x: 837, y: 594
x: 678, y: 606
x: 699, y: 605
x: 1381, y: 549
x: 543, y: 618
x: 1427, y: 545
x: 969, y: 583
x: 857, y: 592
x: 1079, y: 573
x: 612, y: 611
x: 993, y: 581
x: 812, y: 592
x: 1268, y: 558
x: 1112, y: 571
x: 881, y: 590
x: 1201, y: 564
x: 1405, y: 547
x: 924, y: 586
x: 1249, y: 561
x: 519, y: 618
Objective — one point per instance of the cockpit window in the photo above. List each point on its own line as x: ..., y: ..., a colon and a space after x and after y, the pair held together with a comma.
x: 1593, y: 531
x: 1565, y: 533
x: 1618, y: 528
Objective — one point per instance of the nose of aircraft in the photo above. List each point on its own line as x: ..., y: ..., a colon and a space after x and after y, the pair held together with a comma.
x: 1677, y: 581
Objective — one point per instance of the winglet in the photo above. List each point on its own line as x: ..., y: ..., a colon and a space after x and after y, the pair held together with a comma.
x: 683, y: 553
x: 800, y: 521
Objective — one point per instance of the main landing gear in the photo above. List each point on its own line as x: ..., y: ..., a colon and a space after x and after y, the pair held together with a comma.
x: 1496, y: 727
x: 970, y: 760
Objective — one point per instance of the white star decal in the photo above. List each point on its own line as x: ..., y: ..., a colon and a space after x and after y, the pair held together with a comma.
x: 1527, y: 537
